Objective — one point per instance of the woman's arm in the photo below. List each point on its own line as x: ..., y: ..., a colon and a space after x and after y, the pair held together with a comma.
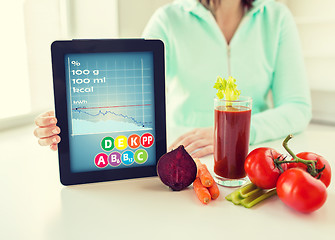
x: 290, y: 90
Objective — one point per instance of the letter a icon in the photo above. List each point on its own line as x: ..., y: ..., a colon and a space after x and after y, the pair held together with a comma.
x: 101, y: 161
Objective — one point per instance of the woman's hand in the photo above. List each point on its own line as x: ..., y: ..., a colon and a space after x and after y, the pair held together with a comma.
x: 46, y: 130
x: 198, y: 143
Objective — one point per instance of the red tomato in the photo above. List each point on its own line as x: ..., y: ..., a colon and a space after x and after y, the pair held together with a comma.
x: 261, y: 168
x: 324, y: 175
x: 300, y: 191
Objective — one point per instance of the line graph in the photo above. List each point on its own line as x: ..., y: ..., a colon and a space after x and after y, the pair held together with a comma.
x: 83, y: 110
x: 110, y: 92
x: 79, y: 108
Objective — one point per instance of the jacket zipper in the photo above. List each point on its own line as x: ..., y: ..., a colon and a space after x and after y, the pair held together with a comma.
x: 228, y: 45
x: 228, y: 60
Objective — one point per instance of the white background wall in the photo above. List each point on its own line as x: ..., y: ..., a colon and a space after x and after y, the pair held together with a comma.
x: 316, y: 24
x: 13, y: 60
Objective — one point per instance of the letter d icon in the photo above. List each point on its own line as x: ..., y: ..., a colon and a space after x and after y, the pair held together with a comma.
x: 107, y: 143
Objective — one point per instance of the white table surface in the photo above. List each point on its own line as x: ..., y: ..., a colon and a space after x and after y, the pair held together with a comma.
x: 34, y: 204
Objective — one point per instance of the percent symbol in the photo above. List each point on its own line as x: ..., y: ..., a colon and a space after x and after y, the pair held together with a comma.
x: 75, y: 63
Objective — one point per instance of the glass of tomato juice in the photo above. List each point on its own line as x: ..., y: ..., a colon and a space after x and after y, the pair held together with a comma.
x: 231, y: 140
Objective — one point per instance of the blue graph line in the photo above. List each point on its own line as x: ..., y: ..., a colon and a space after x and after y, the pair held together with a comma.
x: 138, y: 123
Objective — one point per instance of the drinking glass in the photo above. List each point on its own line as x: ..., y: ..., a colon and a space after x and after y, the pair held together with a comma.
x: 231, y: 140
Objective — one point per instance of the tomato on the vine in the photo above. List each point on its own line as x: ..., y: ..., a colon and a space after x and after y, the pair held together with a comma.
x: 262, y: 168
x: 322, y: 166
x: 300, y: 191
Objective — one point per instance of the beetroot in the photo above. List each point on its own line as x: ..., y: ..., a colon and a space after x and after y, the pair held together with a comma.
x: 177, y: 169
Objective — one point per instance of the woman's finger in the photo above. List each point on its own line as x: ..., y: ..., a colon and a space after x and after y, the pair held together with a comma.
x: 54, y: 147
x: 47, y: 114
x: 46, y: 131
x: 201, y: 143
x: 45, y: 121
x: 176, y: 143
x: 180, y: 140
x: 49, y: 140
x: 203, y: 152
x: 189, y: 140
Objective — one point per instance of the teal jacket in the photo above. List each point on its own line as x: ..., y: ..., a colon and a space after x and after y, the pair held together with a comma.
x: 264, y: 56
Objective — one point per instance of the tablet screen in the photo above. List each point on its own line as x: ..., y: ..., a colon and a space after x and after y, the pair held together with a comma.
x: 111, y: 112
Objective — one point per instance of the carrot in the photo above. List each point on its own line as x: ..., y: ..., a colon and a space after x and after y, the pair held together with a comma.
x: 203, y: 173
x: 201, y: 191
x: 214, y: 191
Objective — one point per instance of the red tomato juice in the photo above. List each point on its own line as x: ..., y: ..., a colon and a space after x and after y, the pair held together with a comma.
x: 231, y: 136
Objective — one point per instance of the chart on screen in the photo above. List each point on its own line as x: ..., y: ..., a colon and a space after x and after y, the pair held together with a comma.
x: 110, y: 92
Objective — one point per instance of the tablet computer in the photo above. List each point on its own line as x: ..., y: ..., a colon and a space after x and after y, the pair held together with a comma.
x: 110, y: 105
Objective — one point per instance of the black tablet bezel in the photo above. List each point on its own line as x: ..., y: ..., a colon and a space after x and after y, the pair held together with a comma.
x: 59, y: 49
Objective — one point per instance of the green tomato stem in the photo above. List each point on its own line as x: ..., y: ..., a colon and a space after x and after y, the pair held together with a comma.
x: 308, y: 163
